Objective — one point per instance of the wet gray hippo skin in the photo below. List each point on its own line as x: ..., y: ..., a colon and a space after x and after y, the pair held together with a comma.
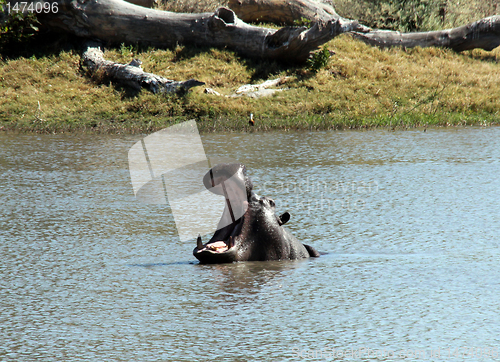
x: 258, y: 235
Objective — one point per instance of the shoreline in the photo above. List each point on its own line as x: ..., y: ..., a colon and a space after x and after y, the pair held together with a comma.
x: 239, y: 126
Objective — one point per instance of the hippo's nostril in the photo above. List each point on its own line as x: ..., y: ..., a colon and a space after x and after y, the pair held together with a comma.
x: 271, y: 202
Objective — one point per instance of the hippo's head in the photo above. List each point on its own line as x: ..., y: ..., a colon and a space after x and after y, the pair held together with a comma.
x: 256, y: 235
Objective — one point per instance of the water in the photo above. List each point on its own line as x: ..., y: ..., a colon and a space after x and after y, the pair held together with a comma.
x: 409, y: 222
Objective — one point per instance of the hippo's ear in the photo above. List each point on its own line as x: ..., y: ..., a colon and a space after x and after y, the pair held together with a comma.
x: 283, y: 218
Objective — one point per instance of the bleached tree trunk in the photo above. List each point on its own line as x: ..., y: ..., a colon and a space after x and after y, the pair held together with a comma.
x: 117, y: 21
x: 131, y: 74
x: 483, y: 34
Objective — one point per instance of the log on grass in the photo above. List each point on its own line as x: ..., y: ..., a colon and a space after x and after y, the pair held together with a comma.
x: 131, y: 74
x: 483, y: 34
x: 117, y: 21
x: 282, y: 11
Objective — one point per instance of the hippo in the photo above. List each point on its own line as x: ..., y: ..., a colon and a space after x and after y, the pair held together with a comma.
x: 258, y: 235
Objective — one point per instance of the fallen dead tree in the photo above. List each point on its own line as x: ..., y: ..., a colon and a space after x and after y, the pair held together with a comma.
x: 117, y: 21
x: 131, y: 74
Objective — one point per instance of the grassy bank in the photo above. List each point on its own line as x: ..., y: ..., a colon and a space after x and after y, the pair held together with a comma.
x: 361, y: 87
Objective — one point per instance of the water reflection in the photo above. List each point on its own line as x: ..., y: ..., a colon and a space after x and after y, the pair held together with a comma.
x: 249, y: 277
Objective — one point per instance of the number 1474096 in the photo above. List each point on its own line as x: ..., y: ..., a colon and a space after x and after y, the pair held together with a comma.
x: 32, y: 7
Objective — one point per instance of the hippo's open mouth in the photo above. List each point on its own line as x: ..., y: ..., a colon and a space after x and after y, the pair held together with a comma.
x: 223, y: 241
x: 222, y: 247
x: 229, y: 181
x: 216, y: 247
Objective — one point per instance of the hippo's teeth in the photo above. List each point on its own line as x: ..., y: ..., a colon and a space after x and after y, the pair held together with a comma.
x: 230, y: 242
x: 218, y: 246
x: 199, y: 244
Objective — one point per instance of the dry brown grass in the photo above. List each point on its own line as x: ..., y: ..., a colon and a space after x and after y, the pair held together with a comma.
x: 191, y: 6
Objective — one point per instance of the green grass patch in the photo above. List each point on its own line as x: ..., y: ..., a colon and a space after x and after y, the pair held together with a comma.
x: 359, y: 87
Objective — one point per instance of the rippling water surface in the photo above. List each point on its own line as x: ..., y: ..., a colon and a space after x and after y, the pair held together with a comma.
x: 409, y: 222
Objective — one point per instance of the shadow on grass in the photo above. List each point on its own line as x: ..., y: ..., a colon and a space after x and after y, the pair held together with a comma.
x: 260, y: 69
x: 43, y: 44
x: 188, y: 52
x: 265, y: 69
